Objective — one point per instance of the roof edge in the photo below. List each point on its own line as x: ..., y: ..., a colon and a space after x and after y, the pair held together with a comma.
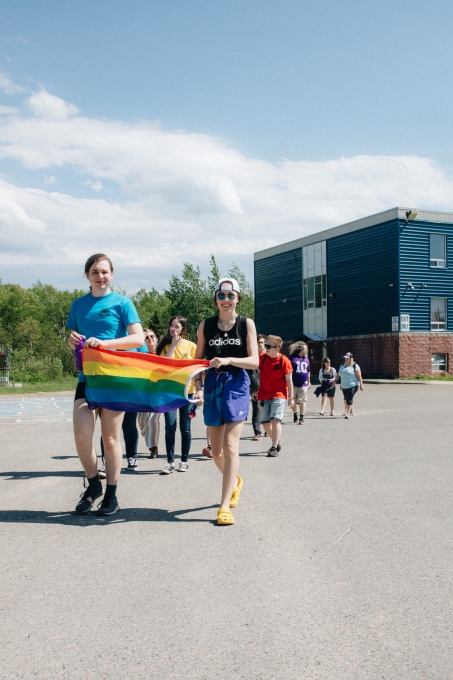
x: 355, y: 225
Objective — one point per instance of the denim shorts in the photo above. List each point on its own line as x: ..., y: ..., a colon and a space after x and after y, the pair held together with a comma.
x: 272, y: 409
x: 226, y: 397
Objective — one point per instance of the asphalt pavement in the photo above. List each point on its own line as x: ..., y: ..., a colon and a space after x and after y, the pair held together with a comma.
x: 339, y: 564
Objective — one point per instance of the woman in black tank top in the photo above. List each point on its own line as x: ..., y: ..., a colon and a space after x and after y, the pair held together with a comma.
x: 228, y: 340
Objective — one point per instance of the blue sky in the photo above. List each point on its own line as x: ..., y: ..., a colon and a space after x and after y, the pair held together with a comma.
x: 253, y: 121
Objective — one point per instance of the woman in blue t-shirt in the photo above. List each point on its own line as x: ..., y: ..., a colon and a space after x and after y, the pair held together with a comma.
x: 350, y: 379
x: 105, y: 318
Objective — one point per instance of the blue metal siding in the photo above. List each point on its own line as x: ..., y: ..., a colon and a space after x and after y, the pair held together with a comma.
x: 415, y: 269
x: 360, y: 267
x: 279, y: 278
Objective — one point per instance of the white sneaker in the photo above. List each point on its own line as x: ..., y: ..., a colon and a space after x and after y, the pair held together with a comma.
x: 183, y: 467
x: 170, y: 467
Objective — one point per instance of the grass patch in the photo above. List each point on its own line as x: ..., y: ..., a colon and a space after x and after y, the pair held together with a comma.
x: 48, y: 386
x: 440, y: 376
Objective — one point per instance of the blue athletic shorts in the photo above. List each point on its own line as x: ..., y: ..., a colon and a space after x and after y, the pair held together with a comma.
x: 226, y: 397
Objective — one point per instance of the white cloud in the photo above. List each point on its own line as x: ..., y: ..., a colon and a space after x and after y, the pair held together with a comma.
x: 8, y: 86
x: 50, y: 179
x: 50, y: 107
x: 96, y: 186
x: 181, y: 196
x: 8, y: 111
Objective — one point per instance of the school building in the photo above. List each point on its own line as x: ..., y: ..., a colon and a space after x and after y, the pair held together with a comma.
x: 380, y: 287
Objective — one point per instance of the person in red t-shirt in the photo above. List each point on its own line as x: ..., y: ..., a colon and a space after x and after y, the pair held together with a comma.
x: 276, y: 386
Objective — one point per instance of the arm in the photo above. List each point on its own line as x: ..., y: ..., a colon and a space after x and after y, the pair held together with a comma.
x: 359, y: 378
x: 199, y: 354
x: 74, y: 339
x: 249, y: 362
x: 134, y: 340
x: 289, y: 386
x: 174, y: 343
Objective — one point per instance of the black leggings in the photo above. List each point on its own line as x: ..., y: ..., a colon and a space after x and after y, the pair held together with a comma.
x: 348, y: 394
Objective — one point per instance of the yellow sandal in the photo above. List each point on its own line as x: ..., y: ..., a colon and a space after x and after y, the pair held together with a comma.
x: 234, y: 500
x: 224, y: 516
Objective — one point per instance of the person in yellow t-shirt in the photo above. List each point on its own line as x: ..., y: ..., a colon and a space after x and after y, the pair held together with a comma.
x: 174, y: 345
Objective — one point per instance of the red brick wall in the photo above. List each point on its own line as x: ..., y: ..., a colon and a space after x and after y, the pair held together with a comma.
x: 393, y: 355
x: 377, y: 355
x: 416, y: 350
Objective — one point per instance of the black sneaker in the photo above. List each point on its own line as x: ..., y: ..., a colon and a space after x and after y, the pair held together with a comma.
x: 295, y: 418
x: 131, y: 464
x: 109, y: 506
x: 279, y: 448
x: 301, y: 420
x: 273, y: 452
x: 87, y: 499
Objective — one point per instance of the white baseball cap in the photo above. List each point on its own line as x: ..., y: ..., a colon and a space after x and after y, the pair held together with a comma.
x: 227, y: 283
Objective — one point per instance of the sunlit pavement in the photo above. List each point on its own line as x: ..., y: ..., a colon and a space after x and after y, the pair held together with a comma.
x: 339, y: 564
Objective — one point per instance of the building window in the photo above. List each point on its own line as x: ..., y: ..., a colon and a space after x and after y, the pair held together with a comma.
x: 437, y: 251
x: 315, y: 292
x: 438, y: 314
x: 438, y: 362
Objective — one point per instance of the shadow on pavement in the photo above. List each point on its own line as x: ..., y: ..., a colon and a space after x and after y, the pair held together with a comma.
x: 13, y: 476
x: 90, y: 519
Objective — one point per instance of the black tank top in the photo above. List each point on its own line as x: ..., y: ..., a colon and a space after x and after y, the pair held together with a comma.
x: 232, y: 343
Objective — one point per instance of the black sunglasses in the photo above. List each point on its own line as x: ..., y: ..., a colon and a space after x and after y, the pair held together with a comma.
x: 150, y: 337
x: 270, y: 347
x: 222, y: 296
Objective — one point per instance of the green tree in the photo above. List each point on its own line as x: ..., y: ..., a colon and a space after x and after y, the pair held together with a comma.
x: 247, y: 305
x: 189, y: 297
x: 153, y: 309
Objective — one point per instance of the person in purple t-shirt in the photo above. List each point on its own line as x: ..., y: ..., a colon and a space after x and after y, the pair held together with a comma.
x: 298, y: 355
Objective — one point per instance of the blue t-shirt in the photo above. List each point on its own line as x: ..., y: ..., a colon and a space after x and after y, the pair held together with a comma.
x: 301, y: 371
x: 348, y: 375
x: 104, y: 317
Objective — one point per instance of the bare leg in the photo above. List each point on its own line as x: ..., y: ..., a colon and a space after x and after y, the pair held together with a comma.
x: 294, y: 407
x: 303, y: 406
x: 323, y: 403
x: 216, y: 435
x: 267, y: 427
x: 84, y: 420
x: 332, y: 404
x: 225, y: 450
x: 111, y: 422
x: 276, y: 428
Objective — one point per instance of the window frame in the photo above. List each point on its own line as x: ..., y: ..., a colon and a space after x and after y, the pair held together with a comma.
x: 438, y: 323
x: 315, y: 291
x: 433, y: 261
x: 438, y: 364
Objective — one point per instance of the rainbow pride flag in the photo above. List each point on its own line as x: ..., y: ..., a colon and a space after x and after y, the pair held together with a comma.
x: 135, y: 381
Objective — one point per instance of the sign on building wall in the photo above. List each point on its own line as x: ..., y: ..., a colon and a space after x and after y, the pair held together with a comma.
x: 395, y: 324
x: 405, y: 322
